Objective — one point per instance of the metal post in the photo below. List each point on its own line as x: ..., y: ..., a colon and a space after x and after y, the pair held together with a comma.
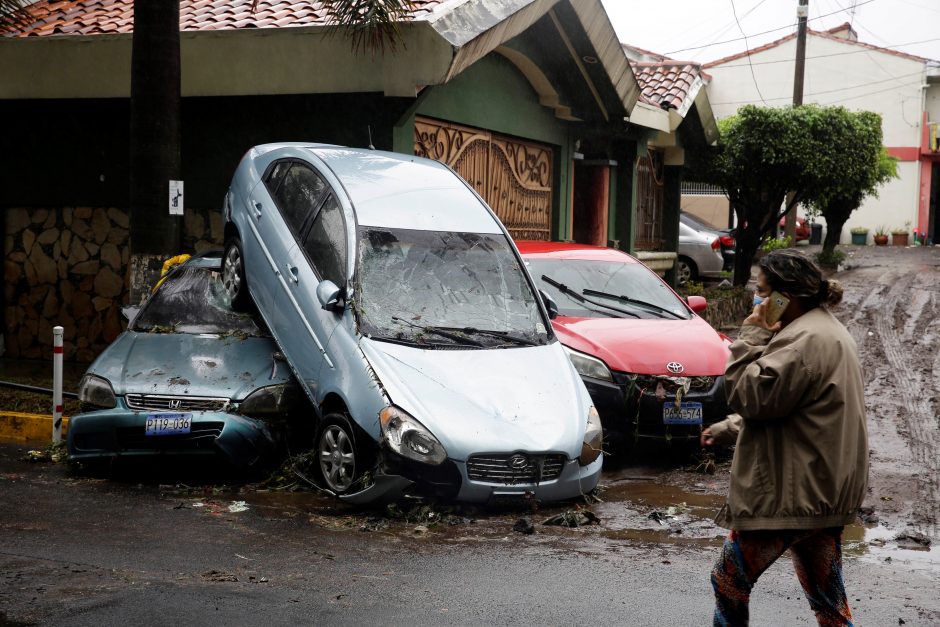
x: 57, y: 333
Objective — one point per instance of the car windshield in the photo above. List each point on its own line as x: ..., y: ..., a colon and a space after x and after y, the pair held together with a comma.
x: 192, y: 300
x: 623, y: 285
x: 444, y: 288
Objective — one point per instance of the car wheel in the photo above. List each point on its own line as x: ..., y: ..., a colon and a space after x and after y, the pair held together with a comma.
x: 685, y: 271
x: 341, y: 460
x: 233, y: 275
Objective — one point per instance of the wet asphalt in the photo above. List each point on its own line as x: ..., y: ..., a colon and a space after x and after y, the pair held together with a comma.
x: 88, y: 550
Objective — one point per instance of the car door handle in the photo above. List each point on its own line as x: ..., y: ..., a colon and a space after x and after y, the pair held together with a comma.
x: 256, y: 209
x: 292, y: 273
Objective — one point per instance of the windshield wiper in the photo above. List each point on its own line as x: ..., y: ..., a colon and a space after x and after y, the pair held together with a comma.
x: 503, y: 335
x: 443, y: 332
x: 633, y: 301
x: 564, y: 289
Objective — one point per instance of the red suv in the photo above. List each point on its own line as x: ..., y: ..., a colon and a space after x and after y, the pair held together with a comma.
x: 654, y: 368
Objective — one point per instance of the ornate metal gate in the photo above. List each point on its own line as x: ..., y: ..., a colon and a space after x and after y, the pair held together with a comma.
x: 649, y: 202
x: 514, y: 177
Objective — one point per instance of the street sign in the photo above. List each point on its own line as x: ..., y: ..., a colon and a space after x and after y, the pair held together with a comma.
x: 176, y: 198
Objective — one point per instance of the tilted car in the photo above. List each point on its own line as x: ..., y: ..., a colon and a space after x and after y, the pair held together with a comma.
x: 188, y: 377
x: 653, y: 367
x: 407, y: 315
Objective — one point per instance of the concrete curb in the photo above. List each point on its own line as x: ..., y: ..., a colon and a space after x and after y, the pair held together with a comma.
x: 21, y: 427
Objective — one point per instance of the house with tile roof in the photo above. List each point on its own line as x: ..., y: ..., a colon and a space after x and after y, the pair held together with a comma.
x: 531, y: 101
x: 841, y: 70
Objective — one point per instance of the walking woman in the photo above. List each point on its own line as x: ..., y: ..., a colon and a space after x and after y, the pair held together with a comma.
x: 800, y: 467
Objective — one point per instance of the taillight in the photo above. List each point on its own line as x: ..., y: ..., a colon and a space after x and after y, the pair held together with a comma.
x: 715, y: 244
x: 727, y: 241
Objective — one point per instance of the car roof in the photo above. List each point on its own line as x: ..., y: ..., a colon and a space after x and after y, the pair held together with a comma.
x: 569, y: 250
x: 402, y: 191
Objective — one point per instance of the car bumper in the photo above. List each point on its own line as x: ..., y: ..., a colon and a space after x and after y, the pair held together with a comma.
x: 242, y: 440
x: 398, y: 477
x: 630, y: 412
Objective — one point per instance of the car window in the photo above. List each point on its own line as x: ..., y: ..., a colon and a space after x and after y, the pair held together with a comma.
x: 325, y: 243
x: 276, y: 176
x: 193, y: 300
x: 299, y: 195
x: 632, y: 280
x: 411, y: 280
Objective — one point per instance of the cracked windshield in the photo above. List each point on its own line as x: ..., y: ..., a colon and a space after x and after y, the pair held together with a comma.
x: 442, y: 288
x: 193, y: 301
x: 595, y: 289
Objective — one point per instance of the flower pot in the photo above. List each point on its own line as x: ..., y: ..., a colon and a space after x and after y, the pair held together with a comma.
x: 899, y: 239
x: 881, y: 240
x: 859, y: 239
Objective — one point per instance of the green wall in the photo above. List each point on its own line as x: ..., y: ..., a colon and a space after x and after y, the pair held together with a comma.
x: 493, y: 95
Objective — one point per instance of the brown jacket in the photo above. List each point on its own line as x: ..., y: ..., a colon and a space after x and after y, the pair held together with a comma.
x: 801, y: 460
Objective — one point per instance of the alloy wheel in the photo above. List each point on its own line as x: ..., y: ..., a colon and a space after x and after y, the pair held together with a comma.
x: 232, y: 272
x: 337, y: 458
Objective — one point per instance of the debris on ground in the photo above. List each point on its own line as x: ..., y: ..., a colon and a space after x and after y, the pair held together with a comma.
x: 912, y: 540
x: 54, y: 452
x: 238, y: 506
x: 524, y: 525
x: 573, y: 518
x: 867, y: 515
x: 421, y: 529
x: 219, y: 576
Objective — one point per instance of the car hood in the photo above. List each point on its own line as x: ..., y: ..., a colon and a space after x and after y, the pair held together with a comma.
x: 646, y: 346
x: 487, y: 401
x: 194, y: 365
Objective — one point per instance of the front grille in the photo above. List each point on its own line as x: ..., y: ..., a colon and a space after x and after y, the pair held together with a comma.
x: 670, y: 384
x: 202, y: 436
x: 157, y: 402
x: 508, y: 469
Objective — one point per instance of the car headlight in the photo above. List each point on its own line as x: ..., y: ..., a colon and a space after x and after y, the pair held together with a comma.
x: 593, y: 439
x: 271, y: 400
x: 95, y: 392
x: 588, y: 366
x: 409, y: 438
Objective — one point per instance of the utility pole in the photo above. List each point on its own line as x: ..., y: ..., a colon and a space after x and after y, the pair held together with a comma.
x: 802, y: 11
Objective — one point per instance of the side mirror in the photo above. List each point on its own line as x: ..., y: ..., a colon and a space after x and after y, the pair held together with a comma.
x: 329, y: 295
x: 130, y: 312
x: 698, y: 304
x: 550, y: 305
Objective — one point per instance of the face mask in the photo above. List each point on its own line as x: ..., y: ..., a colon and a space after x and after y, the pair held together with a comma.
x: 757, y: 300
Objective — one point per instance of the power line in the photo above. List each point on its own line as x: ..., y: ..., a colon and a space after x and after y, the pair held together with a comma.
x: 731, y: 25
x: 734, y: 11
x: 772, y: 30
x: 830, y: 91
x: 838, y: 54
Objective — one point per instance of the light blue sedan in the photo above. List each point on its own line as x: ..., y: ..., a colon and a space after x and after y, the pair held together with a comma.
x: 189, y: 377
x: 409, y: 319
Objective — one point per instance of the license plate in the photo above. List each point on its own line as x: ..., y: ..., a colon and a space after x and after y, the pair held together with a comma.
x: 685, y: 414
x: 168, y: 424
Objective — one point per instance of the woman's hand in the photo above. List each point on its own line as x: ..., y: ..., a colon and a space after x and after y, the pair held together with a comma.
x: 758, y: 318
x: 706, y: 439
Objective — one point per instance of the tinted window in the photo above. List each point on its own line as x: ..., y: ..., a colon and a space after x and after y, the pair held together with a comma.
x: 192, y: 300
x: 276, y: 176
x: 326, y: 243
x: 299, y: 195
x: 632, y: 280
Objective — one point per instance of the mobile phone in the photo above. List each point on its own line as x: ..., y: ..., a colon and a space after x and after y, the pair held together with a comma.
x: 776, y: 305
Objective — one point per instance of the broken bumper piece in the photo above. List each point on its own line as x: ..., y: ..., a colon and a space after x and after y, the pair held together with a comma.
x: 243, y: 441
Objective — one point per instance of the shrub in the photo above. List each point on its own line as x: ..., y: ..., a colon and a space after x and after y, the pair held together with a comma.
x: 859, y: 230
x: 830, y: 260
x: 776, y: 243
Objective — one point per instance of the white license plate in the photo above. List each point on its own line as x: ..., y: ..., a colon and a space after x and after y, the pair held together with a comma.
x: 685, y: 414
x: 168, y: 424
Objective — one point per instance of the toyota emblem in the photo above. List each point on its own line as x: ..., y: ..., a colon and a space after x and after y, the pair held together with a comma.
x: 675, y: 367
x: 518, y: 462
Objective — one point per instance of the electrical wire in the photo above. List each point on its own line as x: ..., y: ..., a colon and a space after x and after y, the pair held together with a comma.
x: 772, y: 30
x: 831, y: 91
x: 838, y: 54
x: 734, y: 12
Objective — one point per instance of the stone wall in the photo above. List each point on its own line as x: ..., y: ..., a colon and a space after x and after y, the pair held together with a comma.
x: 69, y: 267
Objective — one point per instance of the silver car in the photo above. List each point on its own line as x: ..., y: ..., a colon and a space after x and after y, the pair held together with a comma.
x: 699, y: 255
x: 409, y: 319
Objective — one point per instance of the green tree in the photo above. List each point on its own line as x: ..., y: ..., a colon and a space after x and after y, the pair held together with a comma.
x: 763, y: 153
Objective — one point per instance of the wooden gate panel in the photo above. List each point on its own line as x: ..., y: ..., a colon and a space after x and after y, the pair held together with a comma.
x: 512, y: 176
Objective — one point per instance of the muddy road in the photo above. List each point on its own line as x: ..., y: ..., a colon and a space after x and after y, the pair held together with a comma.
x: 160, y: 546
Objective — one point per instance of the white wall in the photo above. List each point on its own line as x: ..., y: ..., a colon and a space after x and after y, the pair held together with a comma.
x: 866, y: 80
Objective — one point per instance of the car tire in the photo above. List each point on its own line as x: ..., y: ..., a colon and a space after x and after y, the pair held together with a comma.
x: 233, y: 275
x: 686, y: 271
x: 341, y: 458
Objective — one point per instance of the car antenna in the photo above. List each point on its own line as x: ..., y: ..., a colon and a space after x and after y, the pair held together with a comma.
x: 369, y: 129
